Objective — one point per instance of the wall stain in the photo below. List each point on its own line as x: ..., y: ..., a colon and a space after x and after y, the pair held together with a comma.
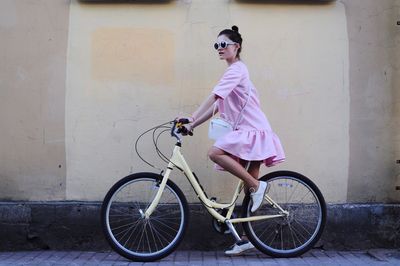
x: 143, y: 56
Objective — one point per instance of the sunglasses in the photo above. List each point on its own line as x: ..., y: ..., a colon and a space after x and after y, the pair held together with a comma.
x: 222, y: 44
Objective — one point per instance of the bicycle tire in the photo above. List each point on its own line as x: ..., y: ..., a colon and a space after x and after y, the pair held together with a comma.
x: 129, y: 233
x: 292, y: 235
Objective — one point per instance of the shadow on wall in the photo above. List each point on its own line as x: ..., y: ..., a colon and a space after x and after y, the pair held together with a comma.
x: 150, y: 2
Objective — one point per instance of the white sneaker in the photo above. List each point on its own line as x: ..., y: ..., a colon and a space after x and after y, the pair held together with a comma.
x: 258, y: 196
x: 239, y: 248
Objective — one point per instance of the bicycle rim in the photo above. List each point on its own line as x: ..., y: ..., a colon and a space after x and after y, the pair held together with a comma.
x: 141, y: 238
x: 296, y: 233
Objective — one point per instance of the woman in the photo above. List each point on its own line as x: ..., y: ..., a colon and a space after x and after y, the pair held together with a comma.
x: 252, y: 142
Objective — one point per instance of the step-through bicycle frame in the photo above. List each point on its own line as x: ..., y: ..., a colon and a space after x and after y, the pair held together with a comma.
x: 177, y: 160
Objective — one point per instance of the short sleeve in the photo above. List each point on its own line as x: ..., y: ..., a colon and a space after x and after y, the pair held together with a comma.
x: 229, y: 81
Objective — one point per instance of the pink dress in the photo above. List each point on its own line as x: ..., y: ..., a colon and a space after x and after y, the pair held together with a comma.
x: 253, y: 139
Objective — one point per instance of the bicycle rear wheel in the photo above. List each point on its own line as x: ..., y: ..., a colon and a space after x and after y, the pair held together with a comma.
x: 295, y: 233
x: 127, y: 230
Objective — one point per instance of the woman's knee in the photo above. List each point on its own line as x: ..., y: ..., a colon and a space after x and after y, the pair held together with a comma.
x: 214, y: 152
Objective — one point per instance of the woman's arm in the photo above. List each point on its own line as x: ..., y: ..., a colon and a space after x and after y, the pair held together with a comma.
x: 204, y: 117
x: 204, y: 111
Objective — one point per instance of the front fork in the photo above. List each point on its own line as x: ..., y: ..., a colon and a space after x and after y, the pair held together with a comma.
x: 158, y: 195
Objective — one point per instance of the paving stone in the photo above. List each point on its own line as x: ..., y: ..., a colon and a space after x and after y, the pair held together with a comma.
x: 199, y: 258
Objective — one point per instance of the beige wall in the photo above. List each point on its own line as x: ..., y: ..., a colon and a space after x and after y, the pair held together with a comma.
x: 374, y: 107
x: 133, y: 66
x: 396, y: 108
x: 326, y: 74
x: 33, y: 48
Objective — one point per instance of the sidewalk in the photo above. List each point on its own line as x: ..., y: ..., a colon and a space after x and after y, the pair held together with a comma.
x: 197, y: 258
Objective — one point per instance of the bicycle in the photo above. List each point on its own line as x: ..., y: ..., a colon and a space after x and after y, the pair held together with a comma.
x: 145, y: 215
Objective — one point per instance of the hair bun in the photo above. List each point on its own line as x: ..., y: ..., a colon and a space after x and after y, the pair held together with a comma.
x: 235, y: 28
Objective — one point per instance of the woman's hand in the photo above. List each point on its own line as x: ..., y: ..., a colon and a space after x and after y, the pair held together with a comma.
x: 184, y: 119
x: 187, y: 127
x: 186, y: 130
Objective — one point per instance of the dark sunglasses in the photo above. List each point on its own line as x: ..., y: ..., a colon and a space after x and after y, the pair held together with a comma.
x: 222, y: 44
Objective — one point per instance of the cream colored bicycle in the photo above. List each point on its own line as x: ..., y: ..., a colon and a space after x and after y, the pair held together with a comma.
x: 145, y: 215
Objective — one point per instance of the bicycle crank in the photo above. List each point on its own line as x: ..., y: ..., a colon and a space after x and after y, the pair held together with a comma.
x: 221, y: 227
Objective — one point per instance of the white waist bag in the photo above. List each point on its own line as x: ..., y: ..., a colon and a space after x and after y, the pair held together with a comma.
x: 220, y: 127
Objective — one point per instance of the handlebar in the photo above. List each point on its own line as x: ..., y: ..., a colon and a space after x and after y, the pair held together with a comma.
x: 179, y: 125
x: 184, y: 121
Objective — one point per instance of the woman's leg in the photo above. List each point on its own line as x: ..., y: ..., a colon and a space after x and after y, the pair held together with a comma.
x: 244, y: 245
x: 254, y: 169
x: 224, y: 160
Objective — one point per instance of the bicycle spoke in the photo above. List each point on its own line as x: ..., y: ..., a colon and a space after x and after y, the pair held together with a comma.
x: 266, y: 230
x: 147, y: 237
x: 124, y: 225
x: 281, y: 238
x: 306, y: 221
x: 165, y: 225
x: 167, y: 214
x: 140, y: 239
x: 298, y: 233
x: 168, y: 220
x: 301, y: 200
x: 120, y: 220
x: 273, y: 234
x: 302, y: 227
x: 260, y: 223
x: 291, y: 234
x: 160, y: 236
x: 129, y: 236
x: 154, y: 238
x: 293, y: 192
x: 165, y: 233
x: 117, y: 210
x: 118, y: 215
x: 286, y: 191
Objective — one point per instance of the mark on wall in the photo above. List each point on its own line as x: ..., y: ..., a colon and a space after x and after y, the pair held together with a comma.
x: 133, y: 54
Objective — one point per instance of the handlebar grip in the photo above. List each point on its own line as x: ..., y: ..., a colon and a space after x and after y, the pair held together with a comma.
x: 184, y: 121
x: 183, y: 130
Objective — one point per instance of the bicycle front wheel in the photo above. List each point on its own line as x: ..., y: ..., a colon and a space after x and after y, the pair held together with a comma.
x: 131, y: 234
x: 296, y: 232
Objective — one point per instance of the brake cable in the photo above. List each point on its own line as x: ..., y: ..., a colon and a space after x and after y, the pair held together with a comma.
x: 141, y: 135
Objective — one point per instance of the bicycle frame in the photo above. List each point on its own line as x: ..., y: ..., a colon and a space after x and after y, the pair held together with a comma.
x: 177, y: 160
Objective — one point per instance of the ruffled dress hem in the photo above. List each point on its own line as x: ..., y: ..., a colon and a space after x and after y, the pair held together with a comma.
x: 252, y: 145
